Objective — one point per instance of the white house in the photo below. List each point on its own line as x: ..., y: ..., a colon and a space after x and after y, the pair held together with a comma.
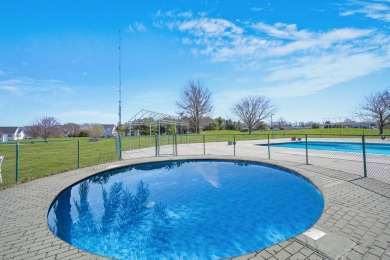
x: 109, y: 130
x: 11, y: 133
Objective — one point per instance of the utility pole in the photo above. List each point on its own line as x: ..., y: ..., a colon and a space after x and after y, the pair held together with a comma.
x: 120, y: 80
x: 118, y: 140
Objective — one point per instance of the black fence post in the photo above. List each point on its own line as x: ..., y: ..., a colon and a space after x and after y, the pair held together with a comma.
x: 119, y: 147
x: 364, y: 156
x: 78, y: 153
x: 156, y: 146
x: 307, y: 151
x: 17, y: 163
x: 234, y: 144
x: 175, y: 144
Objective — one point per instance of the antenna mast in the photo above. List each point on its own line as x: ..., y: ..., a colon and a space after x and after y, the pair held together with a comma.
x: 120, y: 80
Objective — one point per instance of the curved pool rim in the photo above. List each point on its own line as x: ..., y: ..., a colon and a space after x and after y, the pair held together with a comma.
x: 113, y: 166
x: 238, y: 159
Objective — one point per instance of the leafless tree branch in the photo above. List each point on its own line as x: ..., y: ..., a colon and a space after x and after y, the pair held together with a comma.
x: 195, y: 103
x: 376, y: 107
x: 252, y: 109
x: 44, y: 127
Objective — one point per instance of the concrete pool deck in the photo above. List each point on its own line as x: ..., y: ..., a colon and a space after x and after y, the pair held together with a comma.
x: 355, y: 220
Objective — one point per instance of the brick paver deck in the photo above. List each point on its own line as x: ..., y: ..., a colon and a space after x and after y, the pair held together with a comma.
x: 356, y: 217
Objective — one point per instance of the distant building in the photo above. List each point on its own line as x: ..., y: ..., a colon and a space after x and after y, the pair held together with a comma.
x: 11, y: 133
x: 109, y: 130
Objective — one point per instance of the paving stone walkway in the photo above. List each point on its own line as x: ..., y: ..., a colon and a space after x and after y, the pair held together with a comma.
x: 355, y: 220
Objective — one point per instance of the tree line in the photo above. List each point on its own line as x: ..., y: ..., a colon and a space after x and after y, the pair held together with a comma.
x: 195, y: 107
x: 195, y: 104
x: 49, y: 127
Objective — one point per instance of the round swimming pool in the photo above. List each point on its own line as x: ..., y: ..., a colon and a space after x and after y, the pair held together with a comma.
x: 185, y: 209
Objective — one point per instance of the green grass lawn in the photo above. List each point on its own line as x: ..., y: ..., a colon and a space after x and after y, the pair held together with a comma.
x: 38, y: 158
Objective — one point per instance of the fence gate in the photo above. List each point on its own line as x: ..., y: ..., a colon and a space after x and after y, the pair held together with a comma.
x: 166, y: 145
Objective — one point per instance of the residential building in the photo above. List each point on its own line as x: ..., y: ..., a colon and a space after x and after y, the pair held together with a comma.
x: 11, y: 133
x: 109, y: 130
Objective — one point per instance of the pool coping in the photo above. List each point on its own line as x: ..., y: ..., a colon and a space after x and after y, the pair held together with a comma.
x: 354, y: 218
x: 281, y: 145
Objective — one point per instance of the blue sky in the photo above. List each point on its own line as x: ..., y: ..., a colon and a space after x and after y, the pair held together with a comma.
x: 313, y: 59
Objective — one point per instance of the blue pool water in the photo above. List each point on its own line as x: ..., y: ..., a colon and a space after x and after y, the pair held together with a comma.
x: 339, y: 146
x: 196, y: 209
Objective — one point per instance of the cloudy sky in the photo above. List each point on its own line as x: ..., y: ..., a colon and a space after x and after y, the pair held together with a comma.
x: 314, y: 59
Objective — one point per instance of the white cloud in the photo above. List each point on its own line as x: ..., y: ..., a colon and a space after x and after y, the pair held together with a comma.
x: 188, y: 14
x: 345, y: 34
x: 284, y: 31
x: 319, y: 41
x: 310, y: 75
x: 222, y: 40
x: 130, y: 28
x: 140, y: 27
x: 248, y: 66
x: 256, y: 9
x: 378, y: 9
x: 11, y: 89
x: 24, y: 86
x: 209, y: 27
x: 187, y: 41
x: 298, y: 61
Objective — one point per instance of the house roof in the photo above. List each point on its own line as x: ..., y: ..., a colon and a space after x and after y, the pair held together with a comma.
x: 8, y: 130
x: 108, y: 126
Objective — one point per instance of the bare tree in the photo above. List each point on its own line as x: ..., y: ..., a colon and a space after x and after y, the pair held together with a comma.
x: 32, y: 131
x: 252, y: 109
x: 44, y: 127
x: 93, y: 130
x: 376, y: 107
x: 72, y: 129
x: 281, y: 123
x: 195, y: 103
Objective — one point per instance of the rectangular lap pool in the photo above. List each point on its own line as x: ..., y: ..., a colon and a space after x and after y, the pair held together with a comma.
x: 371, y: 148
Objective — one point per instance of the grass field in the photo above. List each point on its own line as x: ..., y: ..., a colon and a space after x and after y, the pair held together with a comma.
x: 38, y: 158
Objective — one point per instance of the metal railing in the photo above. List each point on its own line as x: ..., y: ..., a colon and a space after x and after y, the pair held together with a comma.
x: 362, y: 155
x: 30, y: 159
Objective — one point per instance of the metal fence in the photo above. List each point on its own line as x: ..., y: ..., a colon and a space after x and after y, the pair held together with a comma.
x: 31, y: 159
x: 362, y: 155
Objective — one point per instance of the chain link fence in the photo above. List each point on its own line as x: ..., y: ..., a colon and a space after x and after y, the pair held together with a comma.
x: 362, y: 155
x: 27, y: 160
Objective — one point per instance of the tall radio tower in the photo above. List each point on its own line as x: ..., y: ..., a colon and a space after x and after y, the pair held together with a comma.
x: 120, y: 80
